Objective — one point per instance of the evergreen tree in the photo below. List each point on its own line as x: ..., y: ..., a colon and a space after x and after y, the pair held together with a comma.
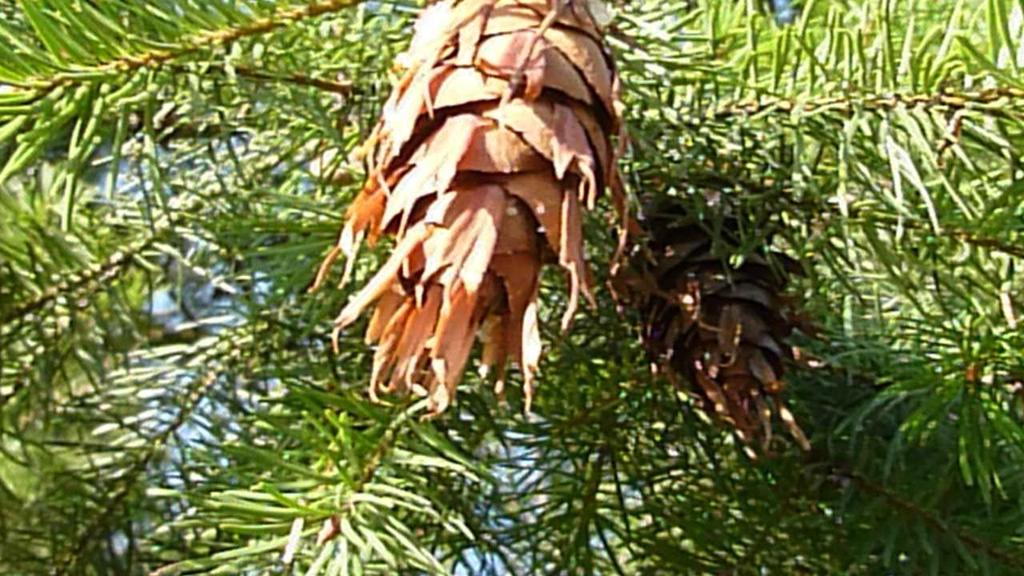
x: 173, y: 172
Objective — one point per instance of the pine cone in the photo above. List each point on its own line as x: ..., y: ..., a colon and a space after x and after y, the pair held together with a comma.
x: 720, y: 328
x: 496, y: 136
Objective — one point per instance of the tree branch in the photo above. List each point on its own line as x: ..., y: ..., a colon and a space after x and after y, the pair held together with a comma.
x: 195, y: 43
x: 712, y: 179
x: 99, y: 527
x: 932, y: 520
x: 88, y: 280
x: 342, y: 88
x: 877, y: 102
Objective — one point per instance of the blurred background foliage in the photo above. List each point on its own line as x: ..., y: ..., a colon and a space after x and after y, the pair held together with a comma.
x: 172, y: 172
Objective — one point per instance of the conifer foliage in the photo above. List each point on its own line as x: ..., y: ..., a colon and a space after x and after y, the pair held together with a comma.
x: 172, y: 172
x: 495, y: 139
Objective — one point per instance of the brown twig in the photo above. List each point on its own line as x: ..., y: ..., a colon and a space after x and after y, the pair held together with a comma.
x: 342, y: 88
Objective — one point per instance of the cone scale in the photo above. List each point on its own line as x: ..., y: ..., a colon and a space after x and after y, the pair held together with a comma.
x: 491, y: 146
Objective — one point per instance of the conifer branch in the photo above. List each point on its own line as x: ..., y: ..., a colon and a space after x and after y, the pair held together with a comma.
x: 369, y: 470
x: 383, y: 447
x: 100, y: 525
x: 949, y: 100
x: 209, y: 39
x: 714, y: 179
x: 936, y: 523
x: 86, y: 282
x: 342, y: 88
x: 83, y: 283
